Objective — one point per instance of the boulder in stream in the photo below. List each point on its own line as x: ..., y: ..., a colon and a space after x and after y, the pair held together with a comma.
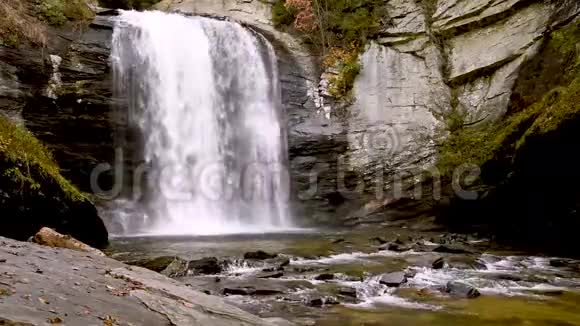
x: 156, y: 264
x: 463, y: 290
x: 439, y: 263
x: 259, y: 255
x: 393, y: 279
x: 205, y: 266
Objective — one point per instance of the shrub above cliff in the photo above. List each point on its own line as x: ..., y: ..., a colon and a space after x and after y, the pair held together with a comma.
x: 60, y: 12
x: 27, y: 20
x: 334, y: 26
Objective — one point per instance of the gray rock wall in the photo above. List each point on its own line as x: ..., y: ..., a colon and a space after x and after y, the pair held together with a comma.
x: 459, y: 55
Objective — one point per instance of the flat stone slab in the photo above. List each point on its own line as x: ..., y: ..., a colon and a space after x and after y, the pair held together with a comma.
x: 42, y: 285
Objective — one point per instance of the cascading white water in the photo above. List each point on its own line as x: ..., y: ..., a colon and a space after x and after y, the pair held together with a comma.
x: 204, y: 94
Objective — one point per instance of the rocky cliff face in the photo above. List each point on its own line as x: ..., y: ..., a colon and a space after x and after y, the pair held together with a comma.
x: 434, y: 63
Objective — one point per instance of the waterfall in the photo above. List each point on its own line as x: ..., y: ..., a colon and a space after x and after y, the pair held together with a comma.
x: 204, y: 95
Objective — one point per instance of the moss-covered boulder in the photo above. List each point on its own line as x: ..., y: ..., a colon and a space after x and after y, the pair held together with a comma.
x: 33, y: 193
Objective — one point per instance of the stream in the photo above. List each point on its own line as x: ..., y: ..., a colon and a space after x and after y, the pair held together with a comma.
x: 370, y: 277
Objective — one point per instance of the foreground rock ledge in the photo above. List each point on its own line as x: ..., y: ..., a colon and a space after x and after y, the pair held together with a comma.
x: 42, y: 285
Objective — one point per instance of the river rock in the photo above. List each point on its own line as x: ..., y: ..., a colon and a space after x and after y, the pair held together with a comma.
x: 392, y: 246
x: 177, y: 268
x: 393, y: 279
x: 439, y: 263
x: 274, y: 274
x: 51, y: 238
x: 466, y: 262
x: 324, y: 277
x: 278, y: 263
x: 250, y: 290
x: 259, y: 255
x: 156, y: 264
x: 565, y: 263
x: 452, y: 249
x: 348, y: 292
x: 460, y: 289
x: 319, y: 301
x: 208, y: 265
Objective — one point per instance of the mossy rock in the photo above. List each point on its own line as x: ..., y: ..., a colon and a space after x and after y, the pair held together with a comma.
x: 33, y: 193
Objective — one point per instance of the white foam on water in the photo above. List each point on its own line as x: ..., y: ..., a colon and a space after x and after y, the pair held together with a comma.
x: 351, y: 257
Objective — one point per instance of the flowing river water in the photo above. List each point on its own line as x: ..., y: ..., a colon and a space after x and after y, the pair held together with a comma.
x: 334, y: 277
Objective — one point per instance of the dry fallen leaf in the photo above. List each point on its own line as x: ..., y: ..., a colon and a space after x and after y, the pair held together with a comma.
x: 109, y: 321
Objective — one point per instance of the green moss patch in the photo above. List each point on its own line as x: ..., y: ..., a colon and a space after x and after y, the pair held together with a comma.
x: 28, y: 160
x: 60, y: 12
x: 481, y: 145
x: 545, y: 97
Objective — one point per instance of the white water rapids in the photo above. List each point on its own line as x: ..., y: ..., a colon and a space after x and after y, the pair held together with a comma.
x: 204, y: 96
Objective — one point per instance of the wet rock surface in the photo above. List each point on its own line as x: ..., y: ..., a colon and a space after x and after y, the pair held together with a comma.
x: 393, y: 279
x: 461, y: 289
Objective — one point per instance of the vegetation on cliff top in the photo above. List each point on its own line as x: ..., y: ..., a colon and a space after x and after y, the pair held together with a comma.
x: 494, y: 142
x: 338, y: 29
x: 29, y: 164
x: 27, y: 20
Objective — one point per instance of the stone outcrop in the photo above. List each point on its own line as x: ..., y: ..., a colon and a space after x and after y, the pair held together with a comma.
x: 434, y: 61
x: 42, y: 284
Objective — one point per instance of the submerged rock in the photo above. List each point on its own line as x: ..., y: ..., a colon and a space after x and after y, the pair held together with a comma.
x: 393, y: 279
x: 466, y: 262
x: 461, y: 289
x: 320, y: 301
x: 438, y: 263
x: 259, y: 255
x: 378, y: 240
x: 274, y: 274
x: 348, y: 292
x: 452, y: 249
x: 397, y: 247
